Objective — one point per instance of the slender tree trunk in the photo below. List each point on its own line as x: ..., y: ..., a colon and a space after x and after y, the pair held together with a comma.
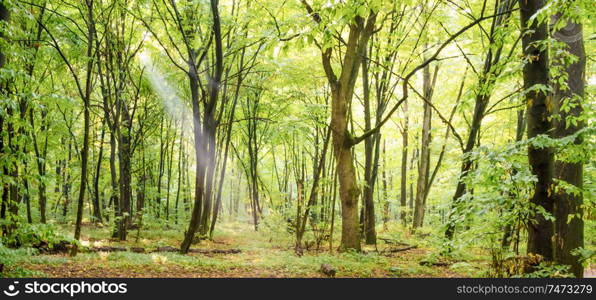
x: 87, y: 118
x: 412, y: 164
x: 519, y: 134
x: 124, y: 155
x: 228, y: 137
x: 301, y: 228
x: 66, y: 171
x: 180, y: 178
x: 490, y: 72
x: 142, y: 187
x: 162, y: 148
x: 370, y: 162
x: 404, y: 167
x: 114, y: 174
x: 96, y: 194
x: 424, y: 161
x: 171, y: 159
x: 41, y: 161
x: 386, y: 189
x: 27, y: 198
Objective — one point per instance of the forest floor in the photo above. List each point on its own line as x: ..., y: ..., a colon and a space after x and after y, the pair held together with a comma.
x: 260, y: 256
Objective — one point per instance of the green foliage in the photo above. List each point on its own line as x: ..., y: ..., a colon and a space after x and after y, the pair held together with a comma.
x: 29, y: 235
x: 10, y: 260
x: 548, y: 270
x: 276, y: 102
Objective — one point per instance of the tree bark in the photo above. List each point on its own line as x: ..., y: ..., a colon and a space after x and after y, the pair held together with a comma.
x: 568, y: 212
x: 96, y: 194
x: 424, y: 161
x: 86, y: 116
x: 371, y: 160
x: 404, y: 167
x: 539, y: 110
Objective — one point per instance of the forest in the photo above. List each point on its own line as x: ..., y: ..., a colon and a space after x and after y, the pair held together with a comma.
x: 297, y: 138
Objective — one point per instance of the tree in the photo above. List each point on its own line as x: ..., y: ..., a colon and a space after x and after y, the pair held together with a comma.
x: 84, y: 87
x: 568, y: 211
x: 491, y: 70
x: 425, y: 143
x: 342, y: 89
x: 539, y: 110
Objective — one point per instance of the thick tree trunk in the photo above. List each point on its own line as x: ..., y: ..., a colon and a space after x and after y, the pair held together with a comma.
x: 539, y: 110
x: 569, y: 225
x: 209, y: 155
x: 349, y: 193
x: 348, y: 185
x: 200, y: 159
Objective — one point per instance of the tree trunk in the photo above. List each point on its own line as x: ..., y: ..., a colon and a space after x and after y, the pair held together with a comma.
x: 569, y: 225
x: 385, y: 190
x: 404, y: 167
x: 41, y: 161
x: 424, y: 162
x: 170, y: 161
x: 348, y: 186
x: 180, y: 178
x: 113, y: 173
x: 66, y: 174
x: 485, y: 87
x: 87, y: 118
x: 370, y: 162
x: 124, y: 155
x: 519, y: 134
x: 199, y: 156
x: 96, y: 194
x: 301, y: 221
x: 540, y: 106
